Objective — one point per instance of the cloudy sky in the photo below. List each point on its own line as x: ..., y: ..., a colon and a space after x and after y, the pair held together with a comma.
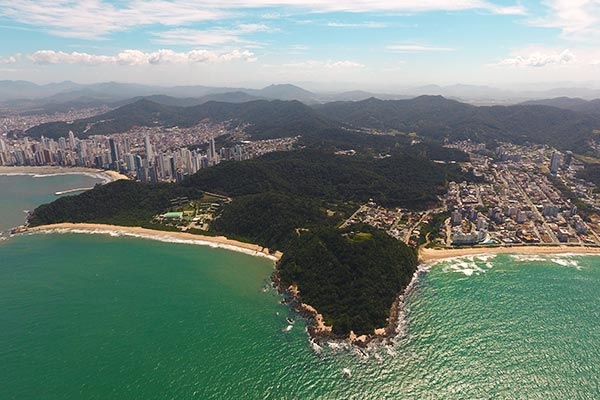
x: 369, y: 44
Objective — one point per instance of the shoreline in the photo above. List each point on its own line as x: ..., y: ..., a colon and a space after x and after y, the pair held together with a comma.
x: 165, y: 236
x: 319, y: 332
x: 106, y: 175
x: 434, y: 255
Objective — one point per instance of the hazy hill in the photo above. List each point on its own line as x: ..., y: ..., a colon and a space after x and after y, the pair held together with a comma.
x: 284, y: 92
x: 437, y: 117
x: 431, y: 117
x: 29, y: 90
x: 568, y: 103
x: 267, y: 119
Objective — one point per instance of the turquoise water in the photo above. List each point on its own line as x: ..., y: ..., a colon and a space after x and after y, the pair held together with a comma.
x: 97, y: 317
x: 19, y: 193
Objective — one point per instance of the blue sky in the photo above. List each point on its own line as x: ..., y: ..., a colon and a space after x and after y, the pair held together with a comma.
x: 377, y: 44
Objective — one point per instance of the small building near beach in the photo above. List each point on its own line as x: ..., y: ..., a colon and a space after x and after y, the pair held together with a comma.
x: 173, y: 215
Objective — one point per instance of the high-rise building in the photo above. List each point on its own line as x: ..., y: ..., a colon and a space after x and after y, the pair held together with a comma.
x: 567, y: 160
x: 554, y: 162
x: 114, y: 155
x: 149, y: 152
x: 72, y: 140
x: 212, y: 153
x: 130, y: 162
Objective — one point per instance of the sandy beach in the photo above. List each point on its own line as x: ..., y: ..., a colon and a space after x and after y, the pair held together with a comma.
x: 430, y: 255
x: 177, y: 237
x: 107, y: 175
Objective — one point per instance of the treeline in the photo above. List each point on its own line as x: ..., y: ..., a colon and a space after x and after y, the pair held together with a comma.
x: 293, y: 201
x: 590, y: 173
x: 122, y: 202
x: 351, y: 277
x: 438, y: 118
x: 269, y: 219
x: 399, y: 180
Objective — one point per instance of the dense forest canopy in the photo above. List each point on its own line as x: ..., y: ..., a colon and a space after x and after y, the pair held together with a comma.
x: 294, y: 201
x: 338, y: 123
x: 352, y: 276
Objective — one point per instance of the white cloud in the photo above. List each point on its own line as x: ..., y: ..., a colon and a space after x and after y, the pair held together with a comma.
x: 539, y: 59
x: 414, y: 48
x: 314, y: 64
x: 195, y: 37
x: 137, y: 57
x: 210, y: 37
x: 10, y: 59
x: 93, y: 19
x: 577, y: 19
x: 343, y: 64
x: 380, y: 5
x: 356, y: 25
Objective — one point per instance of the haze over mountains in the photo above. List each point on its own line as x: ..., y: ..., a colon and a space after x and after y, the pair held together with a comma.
x: 25, y: 96
x: 432, y: 117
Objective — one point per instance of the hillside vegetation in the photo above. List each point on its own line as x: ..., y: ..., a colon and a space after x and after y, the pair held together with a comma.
x: 293, y: 202
x: 352, y: 277
x: 337, y: 124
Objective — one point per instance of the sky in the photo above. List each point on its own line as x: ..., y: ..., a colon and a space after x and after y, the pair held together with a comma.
x: 355, y: 44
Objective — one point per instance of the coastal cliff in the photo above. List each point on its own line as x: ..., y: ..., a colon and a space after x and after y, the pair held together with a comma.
x: 346, y: 280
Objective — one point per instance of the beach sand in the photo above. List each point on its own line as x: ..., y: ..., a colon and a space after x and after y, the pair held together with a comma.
x: 50, y: 170
x: 181, y: 237
x: 430, y: 255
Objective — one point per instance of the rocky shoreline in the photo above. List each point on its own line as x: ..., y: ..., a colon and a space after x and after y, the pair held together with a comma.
x: 321, y: 333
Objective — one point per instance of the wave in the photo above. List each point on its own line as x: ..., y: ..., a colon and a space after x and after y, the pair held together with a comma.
x: 480, y: 264
x: 105, y: 178
x: 96, y: 175
x: 72, y: 191
x: 161, y: 237
x: 565, y: 260
x: 468, y: 265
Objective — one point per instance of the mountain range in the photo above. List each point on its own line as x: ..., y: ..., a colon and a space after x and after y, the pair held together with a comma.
x: 28, y: 97
x: 432, y: 117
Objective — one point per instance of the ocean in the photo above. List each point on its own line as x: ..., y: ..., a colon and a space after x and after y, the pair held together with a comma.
x: 100, y: 316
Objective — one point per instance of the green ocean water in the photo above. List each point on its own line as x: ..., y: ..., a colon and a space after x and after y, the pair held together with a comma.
x: 22, y: 192
x: 98, y: 317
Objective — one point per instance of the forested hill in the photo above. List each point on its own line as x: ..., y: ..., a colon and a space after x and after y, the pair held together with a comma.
x: 335, y: 124
x: 294, y: 201
x: 436, y: 117
x: 266, y: 119
x: 352, y: 277
x: 569, y: 103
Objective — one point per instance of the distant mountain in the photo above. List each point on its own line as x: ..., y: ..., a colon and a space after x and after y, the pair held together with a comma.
x: 338, y: 123
x: 358, y: 95
x: 267, y: 119
x: 568, y: 103
x: 20, y: 90
x: 438, y: 118
x: 161, y: 99
x: 471, y: 93
x: 284, y: 92
x: 577, y: 92
x: 563, y: 102
x: 230, y: 97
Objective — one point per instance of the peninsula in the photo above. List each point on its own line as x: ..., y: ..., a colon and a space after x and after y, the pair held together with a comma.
x: 342, y: 190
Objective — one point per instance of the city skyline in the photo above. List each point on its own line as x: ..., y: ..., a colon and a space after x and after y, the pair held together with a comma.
x: 369, y: 45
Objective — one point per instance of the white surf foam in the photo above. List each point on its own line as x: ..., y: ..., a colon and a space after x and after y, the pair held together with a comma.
x: 161, y: 237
